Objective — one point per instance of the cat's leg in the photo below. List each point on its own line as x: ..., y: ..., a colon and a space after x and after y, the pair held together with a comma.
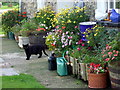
x: 28, y: 57
x: 40, y: 54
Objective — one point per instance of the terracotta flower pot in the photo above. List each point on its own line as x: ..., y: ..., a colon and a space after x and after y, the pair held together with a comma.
x: 97, y: 80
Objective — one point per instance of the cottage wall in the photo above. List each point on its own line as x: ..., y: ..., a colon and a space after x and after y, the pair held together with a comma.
x: 31, y: 6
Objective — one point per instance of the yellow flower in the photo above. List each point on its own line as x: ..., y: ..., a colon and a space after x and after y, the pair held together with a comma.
x: 74, y: 21
x: 81, y: 16
x: 44, y: 22
x: 86, y: 35
x: 88, y: 41
x: 95, y: 34
x: 97, y: 29
x: 69, y: 21
x: 38, y: 16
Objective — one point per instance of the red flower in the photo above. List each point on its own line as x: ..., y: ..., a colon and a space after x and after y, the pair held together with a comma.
x: 19, y: 15
x: 40, y: 29
x: 53, y: 44
x: 24, y: 16
x: 63, y: 27
x: 24, y: 12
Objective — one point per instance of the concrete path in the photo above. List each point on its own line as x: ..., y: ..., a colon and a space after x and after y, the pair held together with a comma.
x: 5, y: 69
x: 12, y: 54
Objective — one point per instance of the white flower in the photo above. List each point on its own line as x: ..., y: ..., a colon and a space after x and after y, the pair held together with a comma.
x: 70, y: 42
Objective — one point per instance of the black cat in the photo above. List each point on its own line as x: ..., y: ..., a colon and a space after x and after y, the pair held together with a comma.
x: 34, y: 49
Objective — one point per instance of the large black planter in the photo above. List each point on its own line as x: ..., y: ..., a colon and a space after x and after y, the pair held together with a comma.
x: 38, y: 38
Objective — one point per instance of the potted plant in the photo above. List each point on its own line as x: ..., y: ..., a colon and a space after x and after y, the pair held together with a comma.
x: 37, y: 36
x: 27, y: 26
x: 97, y: 76
x: 111, y: 57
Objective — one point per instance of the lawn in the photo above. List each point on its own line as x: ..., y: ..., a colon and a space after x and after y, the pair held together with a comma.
x: 6, y: 7
x: 20, y: 81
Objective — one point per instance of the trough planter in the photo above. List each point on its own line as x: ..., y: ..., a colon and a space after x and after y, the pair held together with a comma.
x: 79, y: 69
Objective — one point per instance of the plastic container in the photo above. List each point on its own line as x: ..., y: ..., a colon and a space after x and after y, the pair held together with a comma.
x: 62, y: 66
x: 52, y: 65
x: 114, y: 16
x: 84, y: 26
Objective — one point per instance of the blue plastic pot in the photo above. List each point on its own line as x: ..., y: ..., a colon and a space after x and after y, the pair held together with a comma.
x: 84, y: 26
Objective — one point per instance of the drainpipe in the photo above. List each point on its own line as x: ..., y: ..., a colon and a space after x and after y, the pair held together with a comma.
x: 20, y: 2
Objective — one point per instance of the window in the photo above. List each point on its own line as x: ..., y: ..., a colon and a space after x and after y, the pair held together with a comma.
x: 114, y: 4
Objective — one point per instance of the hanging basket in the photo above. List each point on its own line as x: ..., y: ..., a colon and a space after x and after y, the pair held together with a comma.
x: 97, y: 80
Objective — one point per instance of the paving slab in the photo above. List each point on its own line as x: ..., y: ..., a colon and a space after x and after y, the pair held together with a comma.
x: 8, y: 72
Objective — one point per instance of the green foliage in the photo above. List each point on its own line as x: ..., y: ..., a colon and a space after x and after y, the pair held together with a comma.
x: 11, y: 18
x: 116, y: 42
x: 16, y: 29
x: 27, y: 26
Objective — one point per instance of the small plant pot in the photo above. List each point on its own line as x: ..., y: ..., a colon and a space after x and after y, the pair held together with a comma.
x: 23, y: 40
x: 97, y: 80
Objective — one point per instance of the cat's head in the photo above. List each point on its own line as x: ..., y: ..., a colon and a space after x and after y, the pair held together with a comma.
x: 25, y: 46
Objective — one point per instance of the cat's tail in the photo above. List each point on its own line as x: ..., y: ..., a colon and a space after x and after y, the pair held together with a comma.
x: 45, y: 52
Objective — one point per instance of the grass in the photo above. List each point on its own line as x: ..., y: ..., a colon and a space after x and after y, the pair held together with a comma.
x: 20, y: 81
x: 6, y: 7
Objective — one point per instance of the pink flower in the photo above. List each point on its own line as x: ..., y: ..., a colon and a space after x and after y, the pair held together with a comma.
x: 115, y: 54
x: 107, y: 59
x: 114, y: 50
x: 76, y: 26
x: 109, y: 53
x: 104, y: 55
x: 57, y: 27
x: 80, y: 41
x: 70, y: 37
x: 83, y: 44
x: 78, y: 49
x: 113, y: 58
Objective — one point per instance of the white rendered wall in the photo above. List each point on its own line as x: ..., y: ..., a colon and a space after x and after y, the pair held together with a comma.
x: 40, y: 4
x: 64, y: 4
